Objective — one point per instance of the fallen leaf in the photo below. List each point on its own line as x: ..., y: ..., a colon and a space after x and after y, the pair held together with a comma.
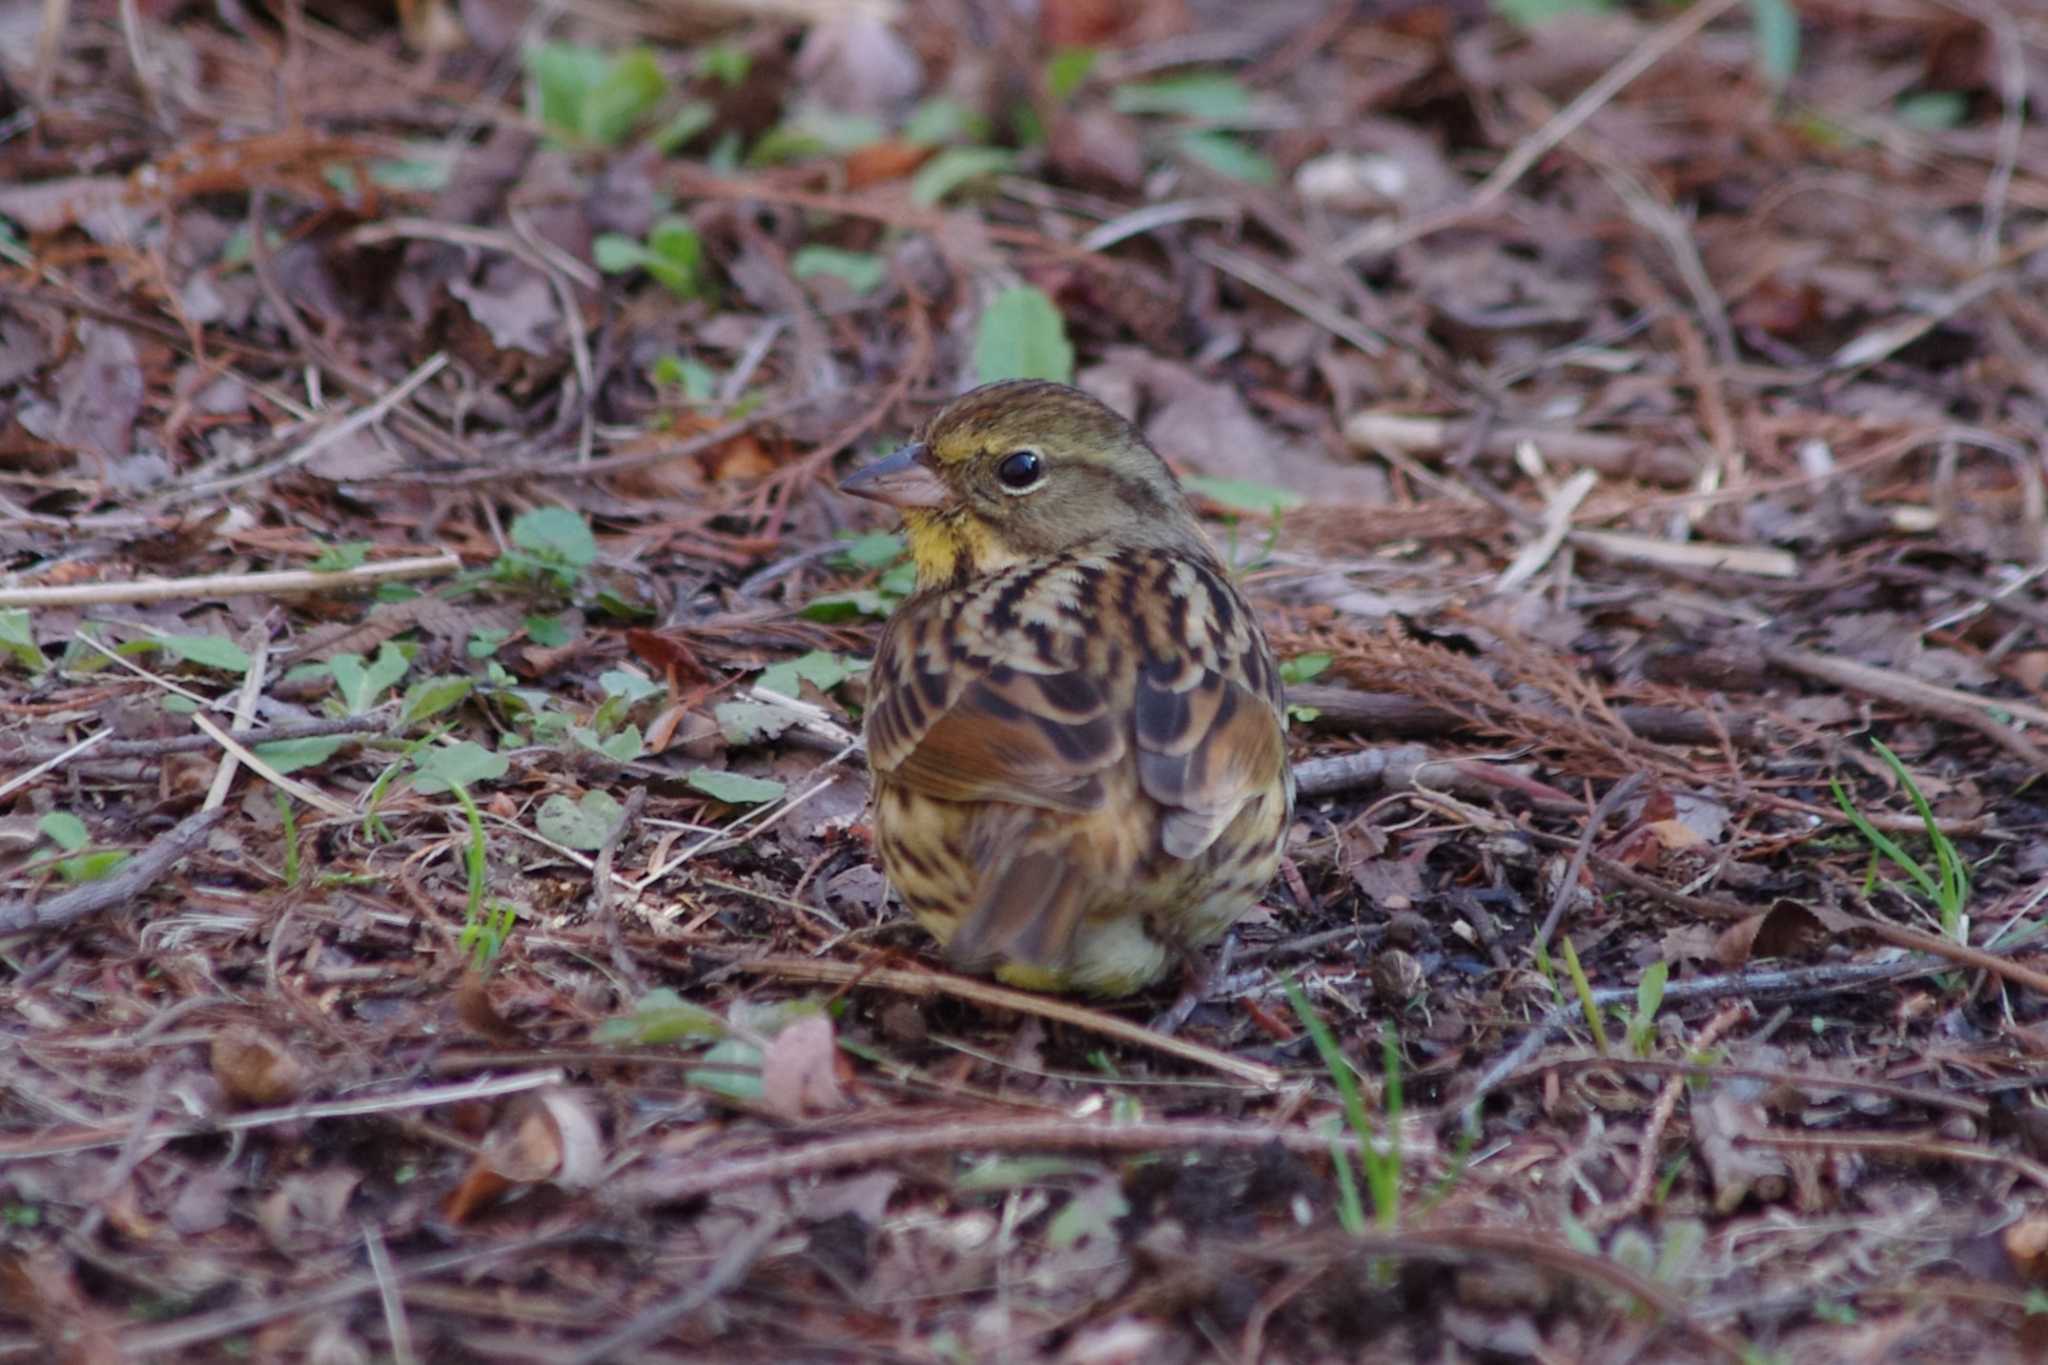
x: 800, y: 1070
x: 254, y: 1069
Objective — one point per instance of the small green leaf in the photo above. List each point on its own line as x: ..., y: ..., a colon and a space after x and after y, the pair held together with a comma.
x: 411, y: 174
x: 1199, y: 94
x: 208, y: 651
x: 549, y: 632
x: 675, y: 257
x: 1245, y: 495
x: 820, y: 668
x: 90, y: 867
x: 431, y: 696
x: 1303, y: 668
x: 615, y: 253
x: 1530, y: 13
x: 726, y: 63
x: 1650, y: 990
x: 735, y: 789
x: 872, y: 550
x: 486, y: 641
x: 688, y: 121
x: 1022, y: 336
x: 862, y: 271
x: 954, y: 167
x: 564, y: 74
x: 627, y: 686
x: 290, y: 755
x: 693, y: 377
x: 661, y: 1016
x: 463, y: 763
x: 753, y: 722
x: 732, y: 1068
x: 1228, y: 156
x: 1933, y: 111
x: 350, y: 554
x: 942, y: 120
x: 1776, y: 27
x: 65, y: 830
x: 555, y: 533
x: 631, y: 87
x: 1015, y: 1173
x: 18, y: 640
x: 621, y: 747
x: 581, y: 824
x: 363, y: 685
x: 1067, y: 68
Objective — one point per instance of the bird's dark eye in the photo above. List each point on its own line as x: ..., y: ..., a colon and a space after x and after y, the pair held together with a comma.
x: 1020, y: 470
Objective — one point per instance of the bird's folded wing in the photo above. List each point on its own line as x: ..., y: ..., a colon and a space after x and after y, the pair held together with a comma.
x: 1207, y: 744
x: 1036, y: 739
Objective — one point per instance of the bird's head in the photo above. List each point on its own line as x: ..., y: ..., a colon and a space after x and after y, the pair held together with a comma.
x: 1020, y: 470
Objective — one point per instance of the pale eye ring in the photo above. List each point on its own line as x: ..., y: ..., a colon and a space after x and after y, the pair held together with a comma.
x: 1021, y: 471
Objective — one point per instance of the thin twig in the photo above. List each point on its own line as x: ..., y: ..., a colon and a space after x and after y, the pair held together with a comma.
x: 924, y: 983
x: 490, y: 1087
x: 230, y: 584
x: 728, y: 1270
x: 1569, y: 883
x: 124, y: 885
x: 604, y: 908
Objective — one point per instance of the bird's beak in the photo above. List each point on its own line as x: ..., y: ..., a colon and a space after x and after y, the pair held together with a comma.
x: 904, y: 479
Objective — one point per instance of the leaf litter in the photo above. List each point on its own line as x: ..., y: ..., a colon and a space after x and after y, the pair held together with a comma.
x: 1626, y: 420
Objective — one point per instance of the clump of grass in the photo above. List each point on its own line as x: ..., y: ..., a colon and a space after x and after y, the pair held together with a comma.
x: 1947, y: 884
x: 1379, y: 1158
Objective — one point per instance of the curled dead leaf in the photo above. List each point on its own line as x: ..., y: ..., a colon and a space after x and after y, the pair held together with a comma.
x: 1788, y: 929
x: 548, y: 1136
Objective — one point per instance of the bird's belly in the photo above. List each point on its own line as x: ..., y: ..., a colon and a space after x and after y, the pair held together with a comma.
x: 1143, y: 906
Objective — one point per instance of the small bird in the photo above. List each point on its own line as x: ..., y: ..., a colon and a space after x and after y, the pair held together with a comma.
x: 1074, y: 723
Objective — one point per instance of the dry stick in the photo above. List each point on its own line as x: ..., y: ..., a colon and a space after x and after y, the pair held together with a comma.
x: 1569, y: 883
x: 923, y: 983
x: 660, y: 453
x: 1394, y: 713
x: 1803, y: 1080
x: 90, y: 1139
x: 1895, y: 1145
x: 1009, y: 1134
x: 1526, y: 1246
x: 184, y: 744
x: 367, y: 415
x: 312, y: 796
x: 1404, y: 767
x: 55, y: 760
x: 1638, y: 1192
x: 730, y: 1268
x: 1791, y: 982
x: 245, y: 712
x: 1557, y: 524
x: 603, y: 906
x: 396, y: 1325
x: 1947, y: 703
x: 1533, y: 148
x: 1302, y: 300
x: 229, y: 585
x: 154, y: 1343
x: 127, y: 882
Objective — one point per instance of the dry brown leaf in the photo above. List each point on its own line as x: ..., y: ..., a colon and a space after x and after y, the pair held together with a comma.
x: 1737, y: 1169
x: 255, y: 1069
x: 800, y: 1070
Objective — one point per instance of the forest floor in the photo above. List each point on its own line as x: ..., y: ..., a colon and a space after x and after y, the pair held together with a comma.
x: 440, y: 920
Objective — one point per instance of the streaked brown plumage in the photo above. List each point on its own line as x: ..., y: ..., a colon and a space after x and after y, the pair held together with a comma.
x: 1074, y: 723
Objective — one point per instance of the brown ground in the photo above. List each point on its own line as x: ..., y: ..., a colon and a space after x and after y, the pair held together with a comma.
x: 1661, y: 440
